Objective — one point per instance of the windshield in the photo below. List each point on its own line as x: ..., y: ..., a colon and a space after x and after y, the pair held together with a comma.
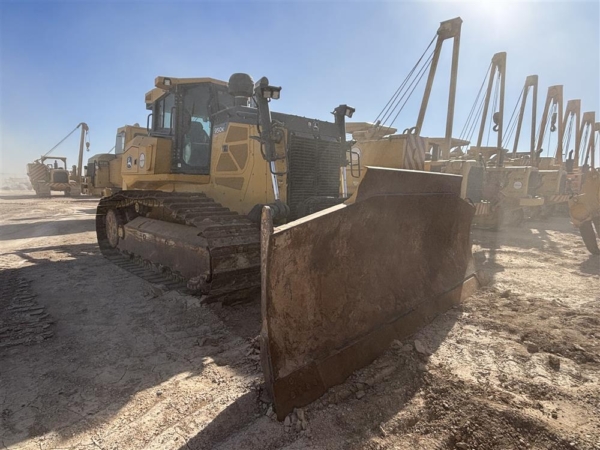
x: 56, y: 163
x: 196, y: 127
x: 199, y: 104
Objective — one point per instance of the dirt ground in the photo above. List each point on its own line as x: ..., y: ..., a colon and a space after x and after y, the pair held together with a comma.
x: 94, y: 357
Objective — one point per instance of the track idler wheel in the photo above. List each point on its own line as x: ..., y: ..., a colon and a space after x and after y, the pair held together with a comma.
x: 114, y: 227
x: 589, y: 237
x: 198, y: 284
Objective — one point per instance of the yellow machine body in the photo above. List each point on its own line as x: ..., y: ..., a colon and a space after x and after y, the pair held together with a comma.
x: 586, y: 205
x: 584, y: 209
x: 238, y: 176
x: 553, y: 182
x: 396, y: 151
x: 102, y: 174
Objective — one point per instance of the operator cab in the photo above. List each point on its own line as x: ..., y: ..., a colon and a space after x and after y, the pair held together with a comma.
x: 56, y: 162
x: 182, y: 111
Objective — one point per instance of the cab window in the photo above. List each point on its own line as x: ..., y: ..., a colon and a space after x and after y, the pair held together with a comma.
x: 196, y: 128
x: 164, y: 114
x: 120, y: 144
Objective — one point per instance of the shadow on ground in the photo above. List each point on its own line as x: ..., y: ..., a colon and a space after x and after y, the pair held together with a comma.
x: 243, y: 424
x: 54, y: 197
x: 531, y: 236
x: 114, y: 339
x: 44, y: 229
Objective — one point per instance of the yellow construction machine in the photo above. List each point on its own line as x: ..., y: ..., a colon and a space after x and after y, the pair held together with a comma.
x: 551, y: 175
x: 552, y: 169
x: 236, y: 199
x: 577, y: 165
x: 47, y: 175
x: 508, y: 188
x: 102, y: 175
x: 584, y: 206
x: 376, y: 144
x: 518, y: 157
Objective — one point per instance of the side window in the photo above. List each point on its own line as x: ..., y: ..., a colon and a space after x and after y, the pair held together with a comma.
x: 120, y: 144
x: 164, y: 119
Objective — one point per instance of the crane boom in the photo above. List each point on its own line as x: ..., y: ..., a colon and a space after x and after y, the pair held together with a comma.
x: 553, y: 98
x: 449, y: 29
x: 498, y: 65
x: 530, y: 82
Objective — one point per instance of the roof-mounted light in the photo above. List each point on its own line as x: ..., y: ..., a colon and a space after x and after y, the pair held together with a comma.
x: 349, y: 111
x: 273, y: 92
x: 345, y: 110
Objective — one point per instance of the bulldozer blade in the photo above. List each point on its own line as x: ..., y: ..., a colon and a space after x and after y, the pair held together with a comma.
x: 339, y: 285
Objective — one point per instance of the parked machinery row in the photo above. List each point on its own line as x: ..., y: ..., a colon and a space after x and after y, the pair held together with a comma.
x: 506, y: 187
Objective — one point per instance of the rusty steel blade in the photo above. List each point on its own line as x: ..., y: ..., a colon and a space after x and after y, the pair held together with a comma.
x: 338, y: 286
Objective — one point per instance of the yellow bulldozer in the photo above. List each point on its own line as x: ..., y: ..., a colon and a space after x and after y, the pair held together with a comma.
x: 50, y: 173
x: 237, y: 201
x: 102, y: 174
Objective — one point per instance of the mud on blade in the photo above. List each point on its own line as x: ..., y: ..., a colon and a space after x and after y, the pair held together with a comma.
x: 338, y: 286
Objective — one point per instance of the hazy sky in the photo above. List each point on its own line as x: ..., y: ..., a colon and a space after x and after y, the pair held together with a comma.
x: 63, y: 62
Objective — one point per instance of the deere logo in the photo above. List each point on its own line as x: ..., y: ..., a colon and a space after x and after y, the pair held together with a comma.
x: 220, y: 129
x: 129, y: 162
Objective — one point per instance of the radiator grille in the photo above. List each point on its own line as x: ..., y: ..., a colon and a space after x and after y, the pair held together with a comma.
x: 60, y: 176
x: 313, y: 174
x: 475, y: 184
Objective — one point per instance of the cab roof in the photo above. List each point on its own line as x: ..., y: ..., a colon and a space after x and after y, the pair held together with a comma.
x: 165, y: 84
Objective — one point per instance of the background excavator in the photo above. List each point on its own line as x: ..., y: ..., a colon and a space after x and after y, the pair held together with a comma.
x: 46, y: 176
x: 236, y: 199
x: 102, y: 174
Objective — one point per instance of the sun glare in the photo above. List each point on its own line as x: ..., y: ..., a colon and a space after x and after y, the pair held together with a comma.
x: 499, y: 13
